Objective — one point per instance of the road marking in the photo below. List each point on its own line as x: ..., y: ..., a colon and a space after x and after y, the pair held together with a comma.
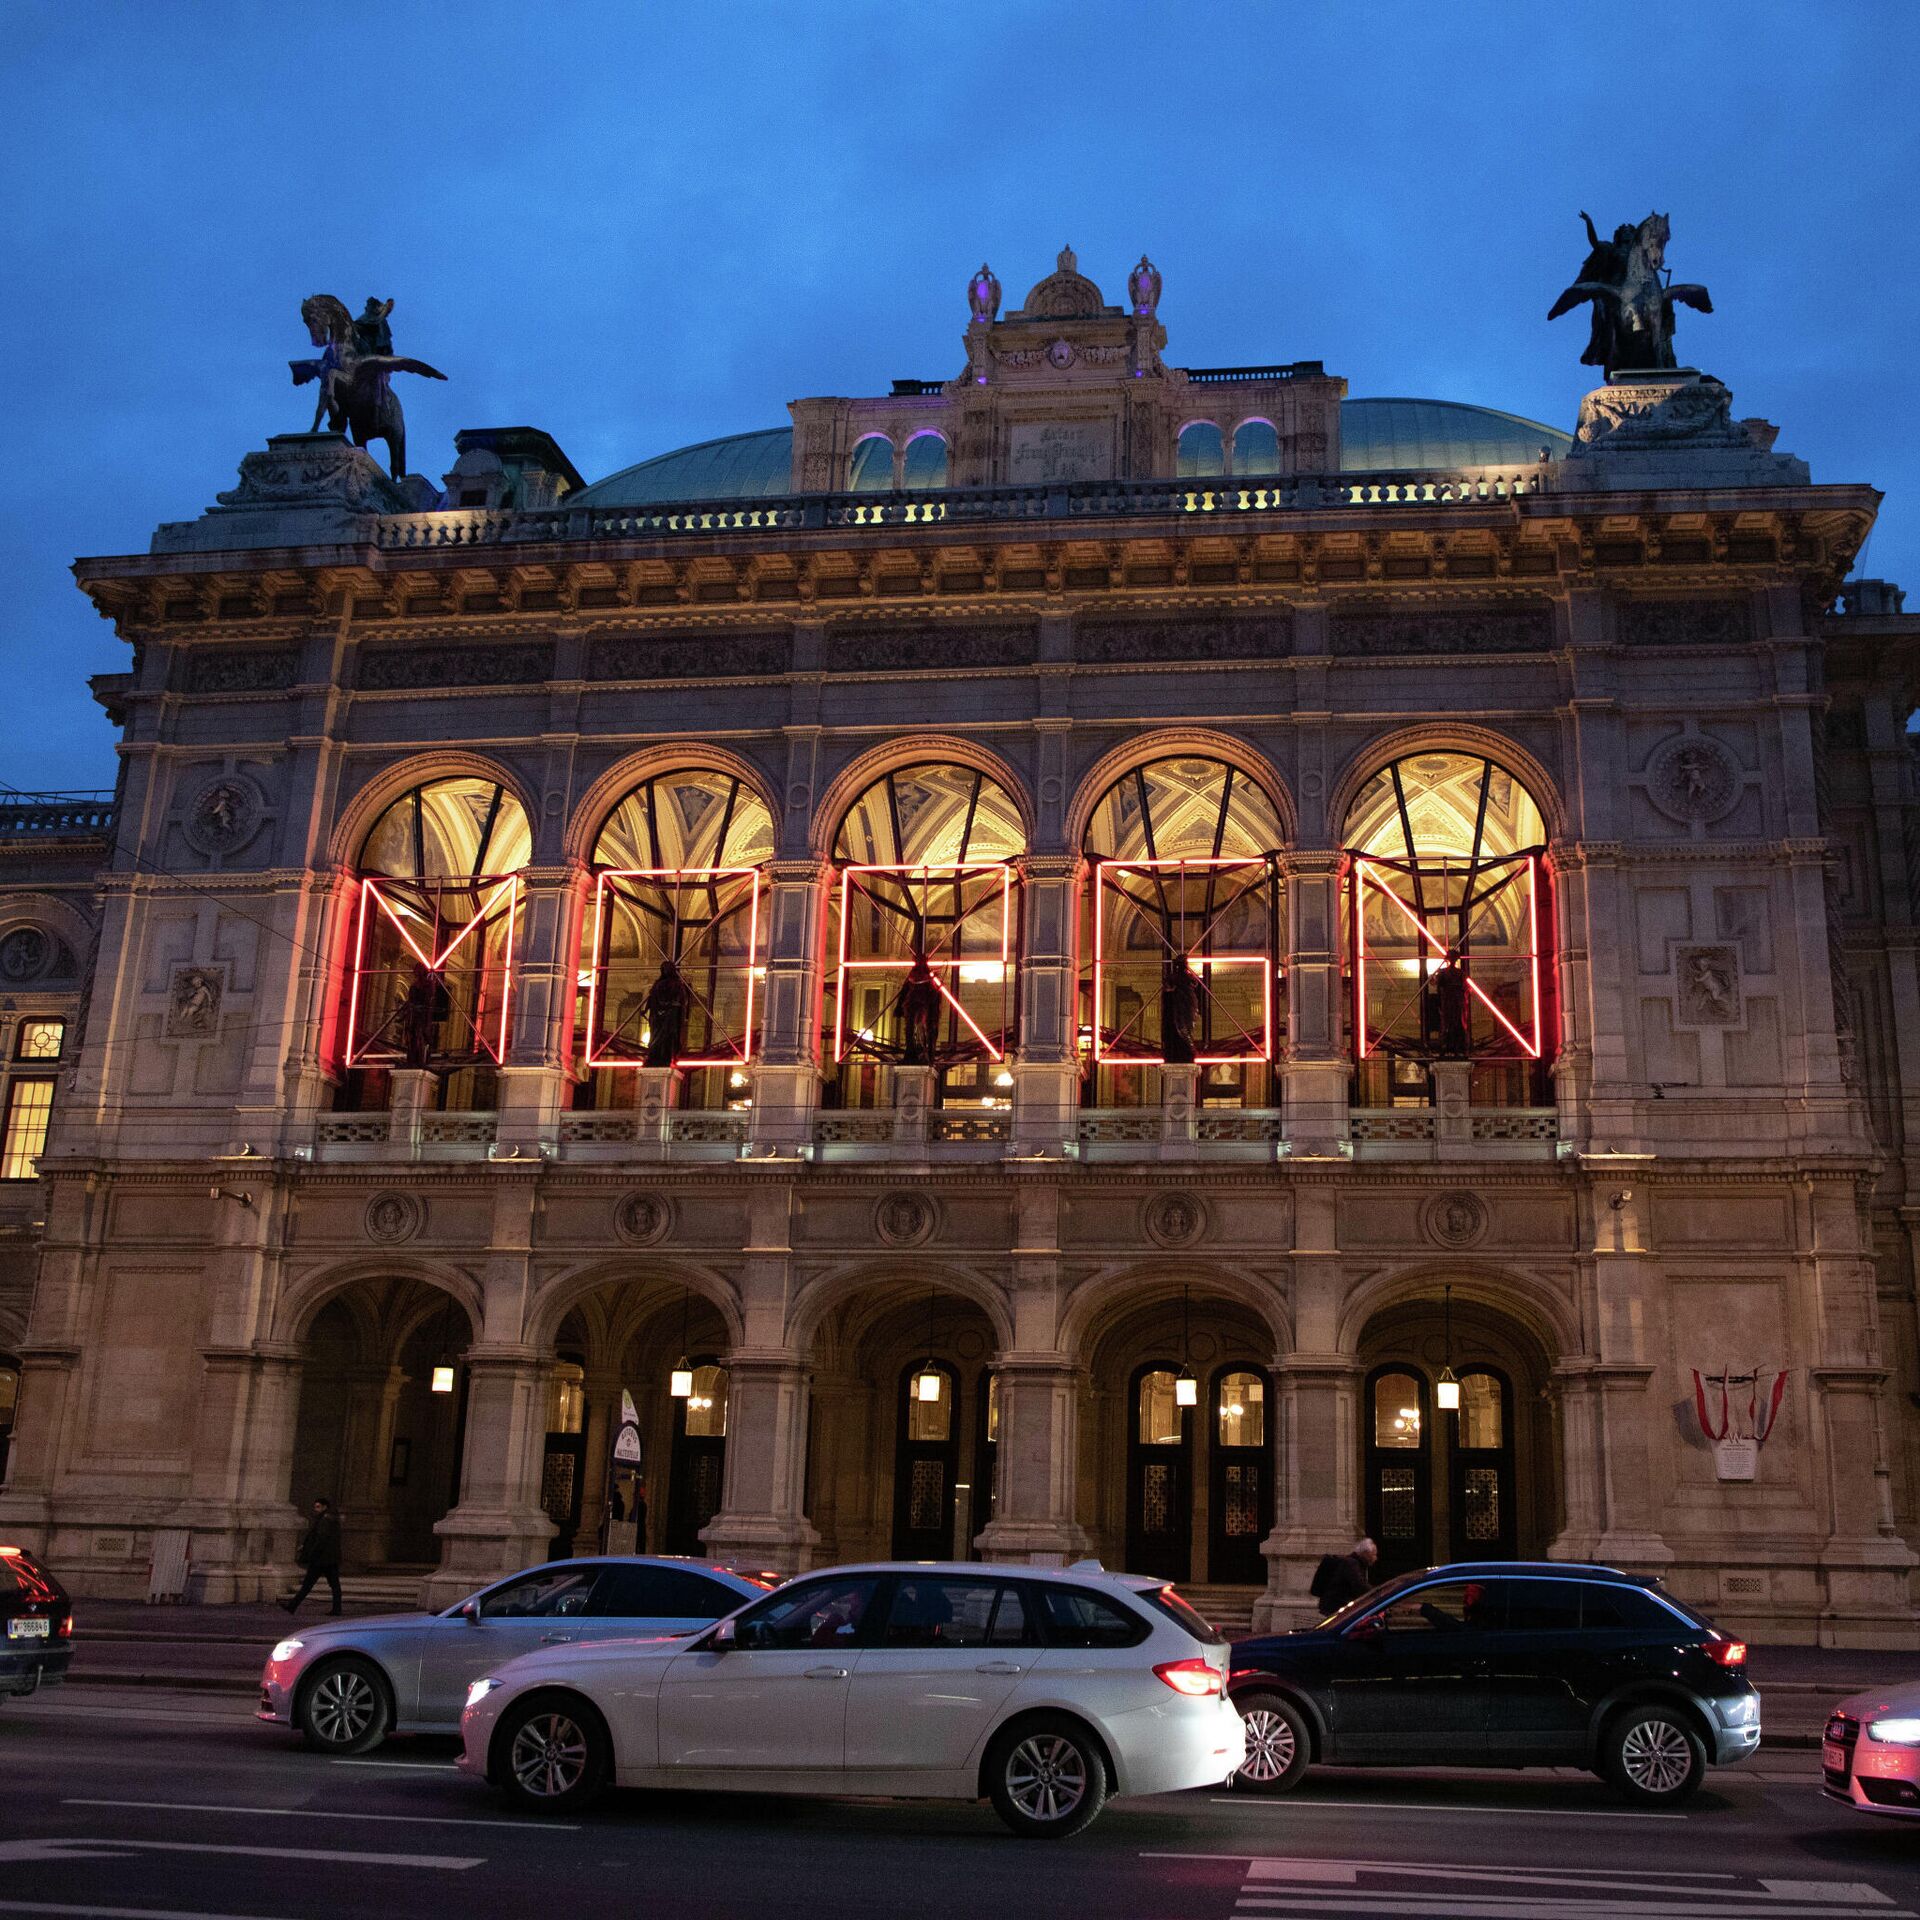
x: 401, y: 1766
x: 1432, y: 1905
x: 1572, y: 1875
x: 117, y: 1913
x: 325, y: 1813
x: 1299, y: 1806
x: 61, y: 1848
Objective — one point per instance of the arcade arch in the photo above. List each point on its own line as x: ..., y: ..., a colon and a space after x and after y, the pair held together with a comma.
x: 673, y: 963
x: 1448, y: 933
x: 922, y: 938
x: 1182, y: 935
x: 429, y: 975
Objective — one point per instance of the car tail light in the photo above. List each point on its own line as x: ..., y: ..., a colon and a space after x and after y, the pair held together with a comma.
x: 1195, y: 1677
x: 64, y: 1630
x: 1725, y: 1653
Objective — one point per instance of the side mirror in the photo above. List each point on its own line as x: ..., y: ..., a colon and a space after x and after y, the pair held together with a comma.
x: 1371, y: 1628
x: 470, y: 1613
x: 721, y: 1639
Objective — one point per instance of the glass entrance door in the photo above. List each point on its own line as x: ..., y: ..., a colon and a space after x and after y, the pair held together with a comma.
x: 1159, y: 1479
x: 1240, y: 1510
x: 923, y: 1465
x: 1398, y: 1473
x: 699, y: 1467
x: 1481, y: 1509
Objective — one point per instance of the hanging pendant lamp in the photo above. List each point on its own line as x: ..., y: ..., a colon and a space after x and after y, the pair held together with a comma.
x: 928, y: 1382
x: 680, y: 1380
x: 1446, y: 1390
x: 442, y: 1380
x: 1186, y: 1386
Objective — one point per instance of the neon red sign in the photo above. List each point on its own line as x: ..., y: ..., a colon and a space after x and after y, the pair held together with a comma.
x: 1372, y: 1034
x: 693, y: 916
x: 405, y: 981
x: 1231, y: 891
x: 981, y: 897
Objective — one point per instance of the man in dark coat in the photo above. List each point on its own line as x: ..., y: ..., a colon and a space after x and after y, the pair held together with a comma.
x: 1341, y: 1577
x: 319, y: 1553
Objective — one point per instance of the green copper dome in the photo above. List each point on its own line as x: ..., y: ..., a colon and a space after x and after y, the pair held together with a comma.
x: 1375, y: 436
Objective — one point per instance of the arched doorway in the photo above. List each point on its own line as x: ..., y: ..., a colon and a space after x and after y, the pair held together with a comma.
x: 697, y: 1471
x: 1474, y: 1483
x: 9, y: 1399
x: 904, y: 1425
x: 381, y: 1418
x: 1176, y: 1439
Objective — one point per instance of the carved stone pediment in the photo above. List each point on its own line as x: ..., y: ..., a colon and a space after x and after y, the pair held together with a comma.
x: 314, y: 469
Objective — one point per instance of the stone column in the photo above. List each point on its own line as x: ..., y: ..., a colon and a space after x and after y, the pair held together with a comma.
x: 1046, y: 1075
x: 1452, y: 1105
x: 499, y: 1522
x: 1867, y: 1566
x: 659, y: 1094
x: 1037, y: 1466
x: 546, y: 961
x: 1315, y: 1076
x: 1317, y: 1500
x: 412, y: 1096
x: 763, y: 1517
x: 786, y: 1088
x: 1179, y: 1109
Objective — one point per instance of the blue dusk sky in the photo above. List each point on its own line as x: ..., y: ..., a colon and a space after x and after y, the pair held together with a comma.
x: 642, y: 225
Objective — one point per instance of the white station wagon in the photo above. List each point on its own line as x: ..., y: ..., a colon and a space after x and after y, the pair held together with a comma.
x: 1043, y: 1691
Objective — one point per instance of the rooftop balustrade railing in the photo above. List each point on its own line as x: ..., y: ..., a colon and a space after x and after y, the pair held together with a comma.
x: 460, y: 527
x: 56, y: 815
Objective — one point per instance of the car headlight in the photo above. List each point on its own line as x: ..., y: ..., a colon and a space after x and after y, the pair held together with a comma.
x: 480, y: 1689
x: 286, y: 1650
x: 1902, y: 1731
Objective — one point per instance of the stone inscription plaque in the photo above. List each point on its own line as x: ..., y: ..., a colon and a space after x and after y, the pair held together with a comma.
x: 1050, y: 453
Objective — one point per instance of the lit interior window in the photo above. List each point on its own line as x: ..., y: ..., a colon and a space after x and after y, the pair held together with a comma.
x: 29, y: 1107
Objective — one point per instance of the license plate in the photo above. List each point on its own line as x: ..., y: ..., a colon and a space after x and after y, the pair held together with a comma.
x: 26, y: 1629
x: 1833, y: 1757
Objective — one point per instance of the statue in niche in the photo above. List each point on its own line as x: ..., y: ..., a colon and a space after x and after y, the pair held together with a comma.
x: 1179, y: 1011
x: 1451, y: 1034
x: 1626, y: 281
x: 983, y: 296
x: 669, y: 1000
x: 355, y: 372
x: 920, y: 1012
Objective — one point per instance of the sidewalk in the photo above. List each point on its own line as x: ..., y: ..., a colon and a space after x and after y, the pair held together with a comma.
x: 222, y: 1649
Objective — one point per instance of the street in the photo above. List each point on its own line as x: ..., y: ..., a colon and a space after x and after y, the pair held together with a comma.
x: 137, y: 1802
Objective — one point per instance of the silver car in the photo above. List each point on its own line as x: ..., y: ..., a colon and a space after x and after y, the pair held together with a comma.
x: 347, y: 1684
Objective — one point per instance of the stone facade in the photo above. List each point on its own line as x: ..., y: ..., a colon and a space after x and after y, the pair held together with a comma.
x: 256, y: 1256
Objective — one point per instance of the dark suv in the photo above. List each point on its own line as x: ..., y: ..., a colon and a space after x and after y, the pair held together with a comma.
x: 1507, y: 1664
x: 36, y: 1624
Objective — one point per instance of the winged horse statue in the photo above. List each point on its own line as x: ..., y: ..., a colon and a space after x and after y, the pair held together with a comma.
x: 356, y: 360
x: 1632, y: 300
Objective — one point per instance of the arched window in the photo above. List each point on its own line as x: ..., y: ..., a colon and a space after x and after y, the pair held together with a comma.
x: 430, y: 974
x: 926, y: 462
x: 1202, y: 451
x: 871, y: 468
x: 922, y: 934
x: 1446, y: 931
x: 675, y: 941
x: 1181, y: 940
x: 1256, y: 448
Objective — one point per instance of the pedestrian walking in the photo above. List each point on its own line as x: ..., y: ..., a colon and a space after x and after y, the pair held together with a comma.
x: 1341, y: 1577
x: 319, y: 1553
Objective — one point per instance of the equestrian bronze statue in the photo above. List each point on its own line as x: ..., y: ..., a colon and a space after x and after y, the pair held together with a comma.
x: 1633, y: 302
x: 354, y: 369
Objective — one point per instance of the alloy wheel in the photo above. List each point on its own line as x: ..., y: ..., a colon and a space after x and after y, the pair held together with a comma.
x: 1656, y: 1756
x: 1270, y: 1745
x: 1046, y: 1777
x: 342, y: 1706
x: 548, y: 1756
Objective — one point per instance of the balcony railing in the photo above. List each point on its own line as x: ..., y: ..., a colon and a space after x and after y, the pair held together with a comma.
x: 965, y: 506
x: 46, y: 816
x: 1492, y: 1133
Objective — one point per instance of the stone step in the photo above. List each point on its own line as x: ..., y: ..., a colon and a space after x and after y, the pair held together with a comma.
x: 1228, y: 1608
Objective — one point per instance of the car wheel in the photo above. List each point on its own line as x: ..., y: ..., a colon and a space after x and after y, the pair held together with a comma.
x: 1047, y: 1778
x: 554, y: 1754
x: 1278, y: 1745
x: 343, y: 1707
x: 1653, y: 1755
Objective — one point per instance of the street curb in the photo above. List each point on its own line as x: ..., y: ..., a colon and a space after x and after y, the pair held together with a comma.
x: 179, y: 1682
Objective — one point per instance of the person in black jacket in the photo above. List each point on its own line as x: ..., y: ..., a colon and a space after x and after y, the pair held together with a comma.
x: 319, y: 1553
x: 1341, y: 1577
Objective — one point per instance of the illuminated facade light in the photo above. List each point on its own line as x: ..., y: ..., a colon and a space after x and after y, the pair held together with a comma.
x: 928, y: 1383
x: 1186, y: 1389
x: 443, y: 1379
x: 680, y: 1381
